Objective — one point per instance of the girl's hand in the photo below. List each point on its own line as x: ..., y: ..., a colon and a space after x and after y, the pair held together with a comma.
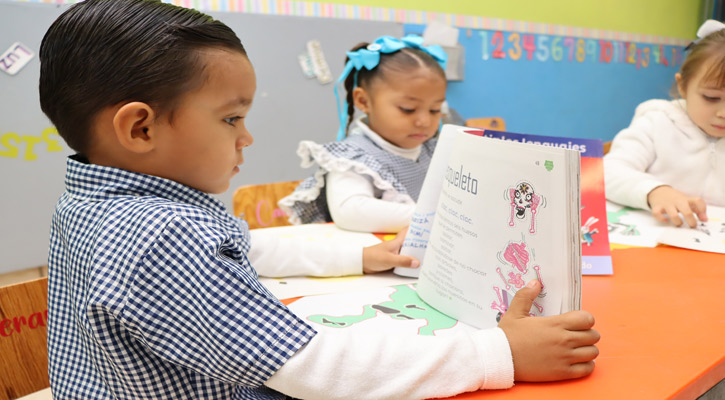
x: 668, y: 203
x: 385, y: 256
x: 548, y: 348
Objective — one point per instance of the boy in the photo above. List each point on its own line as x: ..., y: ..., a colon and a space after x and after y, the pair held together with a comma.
x: 151, y: 290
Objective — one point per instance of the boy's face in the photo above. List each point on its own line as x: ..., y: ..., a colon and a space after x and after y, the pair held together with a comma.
x: 202, y: 147
x: 705, y: 102
x: 404, y: 109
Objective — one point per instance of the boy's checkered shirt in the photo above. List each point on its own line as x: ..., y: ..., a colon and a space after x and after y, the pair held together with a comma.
x: 151, y: 295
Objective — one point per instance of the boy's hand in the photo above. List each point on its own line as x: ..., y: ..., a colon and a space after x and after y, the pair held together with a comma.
x: 548, y: 348
x: 385, y: 256
x: 668, y: 203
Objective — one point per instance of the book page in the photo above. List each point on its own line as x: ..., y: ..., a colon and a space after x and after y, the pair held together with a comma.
x: 502, y: 220
x: 596, y: 254
x: 394, y: 310
x: 634, y: 227
x: 416, y: 239
x: 707, y: 236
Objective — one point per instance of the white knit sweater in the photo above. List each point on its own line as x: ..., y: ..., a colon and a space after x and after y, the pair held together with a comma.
x: 662, y: 146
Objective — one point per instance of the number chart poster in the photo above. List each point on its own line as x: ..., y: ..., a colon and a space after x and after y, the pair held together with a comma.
x: 559, y: 85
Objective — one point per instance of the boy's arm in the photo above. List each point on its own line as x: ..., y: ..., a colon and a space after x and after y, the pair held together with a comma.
x: 353, y: 206
x: 342, y: 365
x: 196, y: 303
x: 275, y: 255
x: 345, y: 365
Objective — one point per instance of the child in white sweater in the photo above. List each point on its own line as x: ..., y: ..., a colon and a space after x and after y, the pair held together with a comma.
x: 671, y: 159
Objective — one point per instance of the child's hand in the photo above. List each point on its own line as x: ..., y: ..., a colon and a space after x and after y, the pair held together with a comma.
x: 668, y: 203
x: 548, y: 348
x: 385, y: 256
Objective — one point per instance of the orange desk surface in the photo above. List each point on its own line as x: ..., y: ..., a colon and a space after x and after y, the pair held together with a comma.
x: 662, y: 320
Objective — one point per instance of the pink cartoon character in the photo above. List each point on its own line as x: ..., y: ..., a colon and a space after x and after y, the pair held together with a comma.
x: 522, y: 198
x: 518, y: 256
x: 502, y: 305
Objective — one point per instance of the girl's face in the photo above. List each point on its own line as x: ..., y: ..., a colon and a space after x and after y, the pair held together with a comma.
x: 202, y: 147
x: 404, y: 108
x: 705, y: 102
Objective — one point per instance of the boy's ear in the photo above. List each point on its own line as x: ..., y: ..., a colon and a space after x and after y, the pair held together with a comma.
x: 680, y: 89
x: 133, y: 124
x: 361, y: 99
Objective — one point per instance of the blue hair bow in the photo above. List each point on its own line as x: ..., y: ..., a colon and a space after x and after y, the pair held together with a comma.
x: 369, y: 58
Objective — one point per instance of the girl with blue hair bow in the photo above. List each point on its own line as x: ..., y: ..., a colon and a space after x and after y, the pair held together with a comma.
x: 369, y: 179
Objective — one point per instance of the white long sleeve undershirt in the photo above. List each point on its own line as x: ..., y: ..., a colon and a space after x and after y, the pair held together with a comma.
x: 277, y: 255
x: 355, y: 203
x: 345, y: 365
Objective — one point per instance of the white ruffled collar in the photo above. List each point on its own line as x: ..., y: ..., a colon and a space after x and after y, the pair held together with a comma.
x: 360, y: 126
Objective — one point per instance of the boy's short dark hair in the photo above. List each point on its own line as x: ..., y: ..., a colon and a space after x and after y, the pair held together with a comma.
x: 100, y: 53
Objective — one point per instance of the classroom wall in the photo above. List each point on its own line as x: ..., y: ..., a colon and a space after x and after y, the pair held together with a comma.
x: 290, y: 107
x: 673, y: 18
x: 558, y: 84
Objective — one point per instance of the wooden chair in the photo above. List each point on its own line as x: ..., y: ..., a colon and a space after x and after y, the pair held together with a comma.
x: 257, y: 204
x: 23, y: 338
x: 606, y: 146
x: 493, y: 123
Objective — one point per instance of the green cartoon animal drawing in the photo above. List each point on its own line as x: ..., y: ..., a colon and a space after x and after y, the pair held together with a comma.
x: 615, y: 225
x: 404, y: 304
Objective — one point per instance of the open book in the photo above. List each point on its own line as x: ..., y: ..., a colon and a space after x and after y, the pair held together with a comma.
x: 491, y: 216
x: 632, y: 227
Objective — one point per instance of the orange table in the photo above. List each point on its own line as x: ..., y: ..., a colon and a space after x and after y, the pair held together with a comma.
x: 662, y: 320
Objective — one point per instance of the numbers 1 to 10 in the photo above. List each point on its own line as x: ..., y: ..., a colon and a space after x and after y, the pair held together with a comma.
x: 11, y: 144
x: 557, y: 48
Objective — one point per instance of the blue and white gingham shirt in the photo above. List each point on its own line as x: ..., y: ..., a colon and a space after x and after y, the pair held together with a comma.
x: 151, y: 295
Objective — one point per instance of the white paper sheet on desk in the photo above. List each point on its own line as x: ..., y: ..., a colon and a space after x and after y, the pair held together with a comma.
x: 632, y: 227
x: 708, y: 236
x: 639, y: 228
x: 285, y: 288
x: 394, y: 310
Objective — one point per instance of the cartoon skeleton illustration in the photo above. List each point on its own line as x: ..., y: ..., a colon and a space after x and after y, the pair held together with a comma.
x: 517, y: 255
x: 523, y: 197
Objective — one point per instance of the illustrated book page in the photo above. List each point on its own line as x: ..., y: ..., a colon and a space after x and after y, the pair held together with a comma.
x: 596, y: 254
x: 507, y: 213
x: 633, y: 227
x: 396, y: 310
